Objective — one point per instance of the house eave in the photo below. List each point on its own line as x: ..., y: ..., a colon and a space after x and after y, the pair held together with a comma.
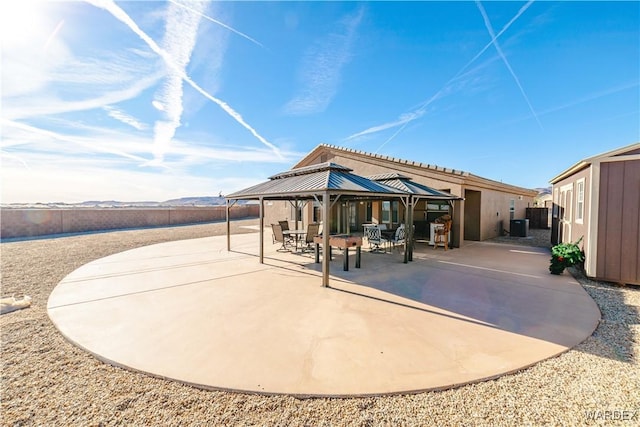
x: 571, y: 171
x: 457, y: 177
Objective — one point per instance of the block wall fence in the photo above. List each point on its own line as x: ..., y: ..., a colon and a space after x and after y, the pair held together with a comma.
x: 40, y: 222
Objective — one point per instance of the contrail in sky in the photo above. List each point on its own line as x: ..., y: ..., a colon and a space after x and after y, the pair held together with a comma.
x: 487, y: 23
x: 494, y: 38
x: 53, y: 34
x: 122, y: 16
x: 181, y: 32
x: 420, y: 111
x: 222, y: 24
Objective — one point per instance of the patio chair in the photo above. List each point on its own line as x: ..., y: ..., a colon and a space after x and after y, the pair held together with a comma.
x: 374, y: 236
x: 285, y: 227
x: 441, y: 237
x: 278, y: 236
x: 313, y: 230
x: 284, y: 224
x: 398, y: 236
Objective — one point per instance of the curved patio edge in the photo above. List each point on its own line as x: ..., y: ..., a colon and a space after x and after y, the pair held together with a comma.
x: 191, y: 312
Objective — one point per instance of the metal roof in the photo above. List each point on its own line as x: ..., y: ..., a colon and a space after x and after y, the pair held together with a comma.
x: 405, y: 184
x: 316, y: 179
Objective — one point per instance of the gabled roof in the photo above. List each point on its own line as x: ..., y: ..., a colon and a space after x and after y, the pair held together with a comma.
x: 629, y: 152
x: 312, y: 153
x: 312, y: 180
x: 437, y: 172
x: 405, y: 184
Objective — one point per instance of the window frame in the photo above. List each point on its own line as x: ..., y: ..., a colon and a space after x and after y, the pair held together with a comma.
x: 580, y: 190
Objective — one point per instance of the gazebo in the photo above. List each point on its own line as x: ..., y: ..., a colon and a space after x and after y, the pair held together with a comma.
x: 417, y: 192
x: 326, y: 183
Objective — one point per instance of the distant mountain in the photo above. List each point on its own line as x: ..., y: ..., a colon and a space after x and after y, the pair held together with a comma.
x: 184, y: 201
x: 543, y: 190
x: 195, y: 201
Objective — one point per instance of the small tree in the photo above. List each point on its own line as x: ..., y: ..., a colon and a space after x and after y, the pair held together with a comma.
x: 565, y: 255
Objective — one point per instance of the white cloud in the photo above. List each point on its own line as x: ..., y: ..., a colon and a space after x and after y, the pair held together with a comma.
x: 321, y: 69
x: 122, y: 16
x: 178, y: 43
x: 91, y: 96
x: 46, y: 177
x: 124, y: 117
x: 73, y: 180
x: 39, y: 165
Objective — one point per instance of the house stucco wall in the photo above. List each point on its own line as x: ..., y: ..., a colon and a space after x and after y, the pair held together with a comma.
x: 495, y: 210
x: 495, y: 196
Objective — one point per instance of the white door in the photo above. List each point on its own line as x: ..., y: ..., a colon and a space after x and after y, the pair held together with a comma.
x: 566, y: 212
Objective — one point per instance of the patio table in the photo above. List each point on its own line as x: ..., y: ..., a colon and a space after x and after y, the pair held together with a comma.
x: 296, y: 235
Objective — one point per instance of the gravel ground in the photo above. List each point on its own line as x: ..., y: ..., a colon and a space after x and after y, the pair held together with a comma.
x: 47, y: 381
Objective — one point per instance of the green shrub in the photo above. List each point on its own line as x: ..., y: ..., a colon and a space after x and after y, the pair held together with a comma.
x: 565, y: 255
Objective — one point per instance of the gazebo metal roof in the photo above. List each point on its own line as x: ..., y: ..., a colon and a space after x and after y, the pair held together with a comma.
x: 309, y: 181
x: 324, y: 182
x: 405, y: 184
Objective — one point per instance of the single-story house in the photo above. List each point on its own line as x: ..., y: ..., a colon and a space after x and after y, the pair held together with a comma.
x: 484, y: 211
x: 598, y: 200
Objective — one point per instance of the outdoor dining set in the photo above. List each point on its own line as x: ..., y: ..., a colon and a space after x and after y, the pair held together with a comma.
x: 379, y: 237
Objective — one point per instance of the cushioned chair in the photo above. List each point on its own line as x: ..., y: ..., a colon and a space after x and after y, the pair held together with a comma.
x: 398, y: 236
x: 375, y: 239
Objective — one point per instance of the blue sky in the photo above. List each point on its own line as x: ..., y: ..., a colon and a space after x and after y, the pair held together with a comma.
x: 142, y: 100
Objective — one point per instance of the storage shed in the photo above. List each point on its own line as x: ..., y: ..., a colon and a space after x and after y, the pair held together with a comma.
x: 598, y: 200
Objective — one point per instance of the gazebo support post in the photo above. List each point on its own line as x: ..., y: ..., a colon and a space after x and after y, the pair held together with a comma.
x: 261, y: 230
x: 326, y: 258
x: 228, y: 223
x: 228, y: 228
x: 407, y: 233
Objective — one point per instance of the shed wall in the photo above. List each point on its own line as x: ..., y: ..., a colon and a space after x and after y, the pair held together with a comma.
x: 619, y: 222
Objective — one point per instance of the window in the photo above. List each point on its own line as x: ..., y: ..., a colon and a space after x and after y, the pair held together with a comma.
x: 386, y: 212
x: 353, y: 215
x: 435, y: 210
x: 317, y: 212
x: 369, y: 213
x: 580, y: 201
x: 296, y: 213
x: 390, y: 212
x: 512, y: 208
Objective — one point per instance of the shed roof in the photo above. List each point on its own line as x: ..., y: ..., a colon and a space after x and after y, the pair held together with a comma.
x: 630, y: 152
x: 308, y: 181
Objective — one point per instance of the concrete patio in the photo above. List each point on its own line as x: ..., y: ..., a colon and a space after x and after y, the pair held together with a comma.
x: 192, y: 312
